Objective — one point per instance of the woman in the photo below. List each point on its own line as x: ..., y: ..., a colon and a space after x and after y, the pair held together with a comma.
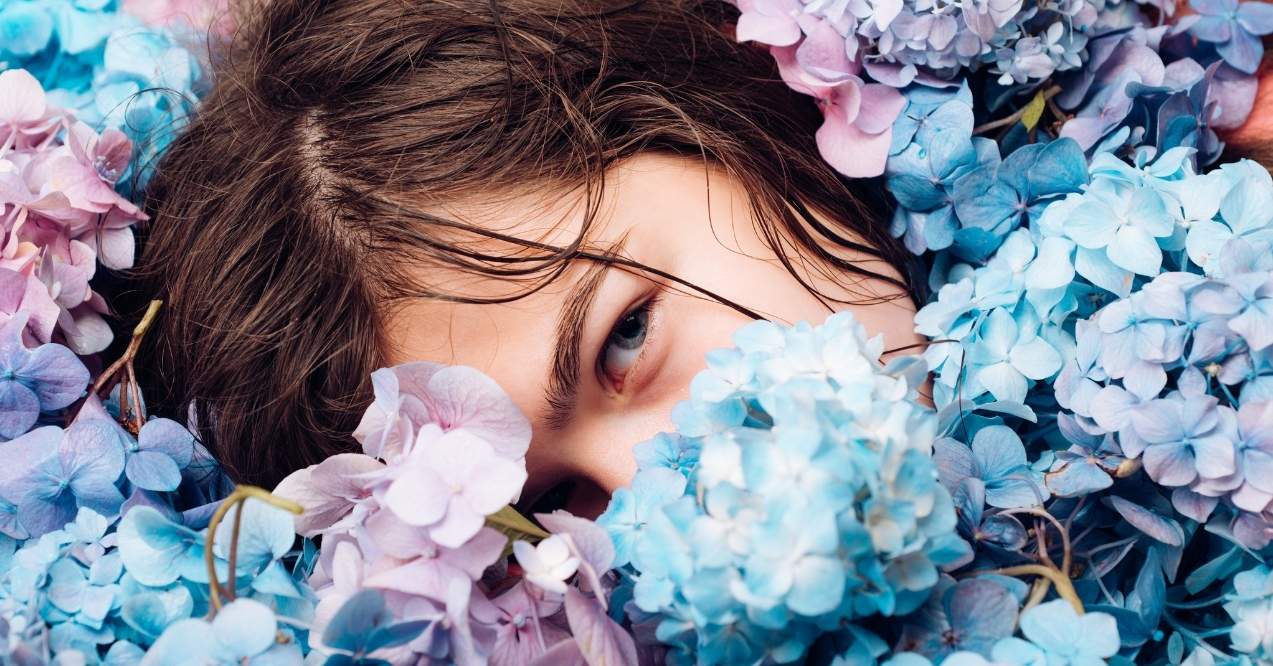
x: 578, y: 198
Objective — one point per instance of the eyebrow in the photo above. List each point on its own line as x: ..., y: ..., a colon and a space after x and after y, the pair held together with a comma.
x: 563, y: 380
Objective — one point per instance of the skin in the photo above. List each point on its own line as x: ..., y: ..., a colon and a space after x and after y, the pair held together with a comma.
x: 673, y: 214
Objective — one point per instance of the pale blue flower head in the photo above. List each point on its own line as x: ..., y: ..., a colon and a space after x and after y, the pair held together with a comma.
x: 1250, y: 605
x: 815, y: 500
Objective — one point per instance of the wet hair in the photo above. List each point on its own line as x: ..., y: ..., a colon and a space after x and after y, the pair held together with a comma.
x: 284, y: 215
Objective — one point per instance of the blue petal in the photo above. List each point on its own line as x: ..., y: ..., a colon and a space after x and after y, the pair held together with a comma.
x: 150, y: 613
x: 59, y: 376
x: 152, y: 470
x: 1060, y: 168
x: 244, y: 628
x: 1078, y: 478
x: 151, y: 545
x: 25, y: 28
x: 998, y: 452
x: 266, y: 533
x: 981, y: 609
x: 1256, y: 17
x: 1243, y: 52
x: 19, y: 408
x: 955, y: 462
x: 187, y: 641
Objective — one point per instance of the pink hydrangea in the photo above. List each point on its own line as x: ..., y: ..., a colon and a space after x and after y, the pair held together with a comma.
x: 59, y: 215
x: 443, y: 450
x: 411, y: 395
x: 815, y: 59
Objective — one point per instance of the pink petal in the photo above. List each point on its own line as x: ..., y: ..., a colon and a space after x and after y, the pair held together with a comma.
x: 116, y: 248
x: 12, y: 286
x: 21, y: 97
x: 822, y: 53
x: 794, y: 75
x: 43, y: 310
x: 321, y: 509
x: 345, y: 475
x: 498, y: 483
x: 601, y: 640
x: 478, y: 553
x: 851, y: 151
x: 460, y: 396
x: 421, y: 498
x: 766, y: 27
x: 85, y: 330
x: 423, y: 577
x: 397, y: 538
x: 880, y: 106
x: 459, y: 525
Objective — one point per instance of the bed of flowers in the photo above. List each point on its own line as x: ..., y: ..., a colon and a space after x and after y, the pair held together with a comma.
x: 1094, y: 483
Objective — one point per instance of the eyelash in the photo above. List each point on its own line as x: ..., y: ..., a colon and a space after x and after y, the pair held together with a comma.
x: 644, y: 311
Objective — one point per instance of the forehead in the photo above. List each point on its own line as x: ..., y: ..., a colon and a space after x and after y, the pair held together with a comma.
x: 660, y: 208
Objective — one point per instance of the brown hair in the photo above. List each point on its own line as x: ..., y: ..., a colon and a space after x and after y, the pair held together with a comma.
x: 281, y: 216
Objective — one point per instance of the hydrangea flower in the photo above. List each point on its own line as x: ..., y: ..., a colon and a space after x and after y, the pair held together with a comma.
x: 59, y: 208
x: 998, y: 460
x: 450, y: 482
x: 969, y: 616
x: 874, y: 524
x: 857, y: 128
x: 155, y: 459
x: 1055, y: 634
x: 548, y: 564
x: 44, y: 379
x: 243, y: 630
x: 62, y: 471
x: 1251, y: 607
x: 1234, y: 27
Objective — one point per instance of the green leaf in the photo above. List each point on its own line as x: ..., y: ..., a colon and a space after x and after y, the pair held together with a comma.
x: 514, y: 525
x: 1033, y: 111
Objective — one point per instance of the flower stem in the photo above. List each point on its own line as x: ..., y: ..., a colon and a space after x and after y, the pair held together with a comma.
x: 1066, y: 553
x: 233, y: 561
x: 240, y: 495
x: 122, y: 370
x: 1007, y: 121
x: 1064, y: 587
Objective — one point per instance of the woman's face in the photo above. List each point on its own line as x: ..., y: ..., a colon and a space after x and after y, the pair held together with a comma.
x: 598, y: 358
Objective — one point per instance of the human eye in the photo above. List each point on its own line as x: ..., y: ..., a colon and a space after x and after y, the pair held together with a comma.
x: 624, y: 345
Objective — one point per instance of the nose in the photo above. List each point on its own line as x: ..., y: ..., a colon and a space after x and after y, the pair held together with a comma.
x: 578, y: 469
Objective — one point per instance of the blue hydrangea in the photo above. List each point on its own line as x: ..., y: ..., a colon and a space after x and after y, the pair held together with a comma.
x: 1053, y: 633
x: 243, y: 631
x: 1250, y: 605
x: 814, y: 472
x: 34, y: 381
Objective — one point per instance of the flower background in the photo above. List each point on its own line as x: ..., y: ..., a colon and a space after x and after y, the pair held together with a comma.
x: 1093, y: 483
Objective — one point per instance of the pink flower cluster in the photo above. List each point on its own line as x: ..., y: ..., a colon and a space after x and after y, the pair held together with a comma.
x: 444, y: 449
x: 59, y: 215
x: 857, y: 128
